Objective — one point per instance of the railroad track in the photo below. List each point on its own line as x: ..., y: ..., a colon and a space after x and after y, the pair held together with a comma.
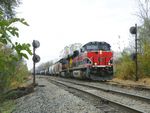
x: 129, y: 102
x: 136, y: 96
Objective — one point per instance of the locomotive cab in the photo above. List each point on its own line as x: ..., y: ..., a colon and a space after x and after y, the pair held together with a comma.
x: 100, y: 56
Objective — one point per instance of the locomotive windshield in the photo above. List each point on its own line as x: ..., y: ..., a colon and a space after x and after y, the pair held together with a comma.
x: 95, y: 46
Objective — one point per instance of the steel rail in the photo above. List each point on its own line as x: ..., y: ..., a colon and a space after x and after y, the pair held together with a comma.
x: 128, y: 108
x: 139, y: 97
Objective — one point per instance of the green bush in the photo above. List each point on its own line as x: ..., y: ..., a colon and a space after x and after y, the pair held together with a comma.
x: 144, y: 61
x: 20, y: 75
x: 125, y: 67
x: 7, y: 106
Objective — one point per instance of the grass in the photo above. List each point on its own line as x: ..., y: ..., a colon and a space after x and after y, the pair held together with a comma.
x: 7, y: 99
x: 7, y: 106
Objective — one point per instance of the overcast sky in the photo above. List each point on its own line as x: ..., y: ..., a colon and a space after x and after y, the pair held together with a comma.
x: 58, y: 23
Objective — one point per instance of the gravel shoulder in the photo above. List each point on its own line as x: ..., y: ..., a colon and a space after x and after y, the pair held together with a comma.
x: 49, y: 98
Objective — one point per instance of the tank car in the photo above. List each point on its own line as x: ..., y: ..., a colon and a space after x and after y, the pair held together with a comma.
x: 55, y: 69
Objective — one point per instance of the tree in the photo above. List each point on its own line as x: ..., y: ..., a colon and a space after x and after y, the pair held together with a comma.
x: 144, y: 37
x: 125, y: 66
x: 11, y: 53
x: 44, y: 66
x: 8, y: 7
x: 7, y: 31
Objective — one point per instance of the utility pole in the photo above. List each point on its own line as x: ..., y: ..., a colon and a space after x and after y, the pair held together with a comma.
x: 133, y: 30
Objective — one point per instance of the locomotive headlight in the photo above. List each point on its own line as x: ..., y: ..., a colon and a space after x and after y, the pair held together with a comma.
x: 109, y: 63
x: 95, y: 63
x: 100, y: 52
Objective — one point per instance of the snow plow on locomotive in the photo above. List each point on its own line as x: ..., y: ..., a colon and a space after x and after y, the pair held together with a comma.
x: 93, y: 61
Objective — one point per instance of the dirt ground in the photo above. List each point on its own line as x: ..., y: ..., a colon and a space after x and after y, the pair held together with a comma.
x: 142, y: 82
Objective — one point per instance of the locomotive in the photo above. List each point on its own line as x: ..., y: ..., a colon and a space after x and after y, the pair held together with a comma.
x: 93, y: 61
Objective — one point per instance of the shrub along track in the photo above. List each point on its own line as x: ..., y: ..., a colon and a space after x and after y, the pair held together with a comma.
x: 108, y: 97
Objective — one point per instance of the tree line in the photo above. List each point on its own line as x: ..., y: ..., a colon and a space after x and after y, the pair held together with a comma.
x: 125, y: 65
x: 13, y: 69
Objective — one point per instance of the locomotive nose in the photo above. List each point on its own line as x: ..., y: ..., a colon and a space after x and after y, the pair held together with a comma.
x: 101, y: 58
x: 97, y: 59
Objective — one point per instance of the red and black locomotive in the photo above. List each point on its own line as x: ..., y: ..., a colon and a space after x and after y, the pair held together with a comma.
x: 93, y: 61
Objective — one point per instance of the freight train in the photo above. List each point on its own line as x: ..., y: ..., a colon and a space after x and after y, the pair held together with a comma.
x: 93, y: 61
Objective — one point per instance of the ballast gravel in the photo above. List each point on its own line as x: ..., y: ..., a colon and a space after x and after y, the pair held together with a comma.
x: 49, y: 98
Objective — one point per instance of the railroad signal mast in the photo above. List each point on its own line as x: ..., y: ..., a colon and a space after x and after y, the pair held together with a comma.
x: 133, y: 30
x: 36, y: 58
